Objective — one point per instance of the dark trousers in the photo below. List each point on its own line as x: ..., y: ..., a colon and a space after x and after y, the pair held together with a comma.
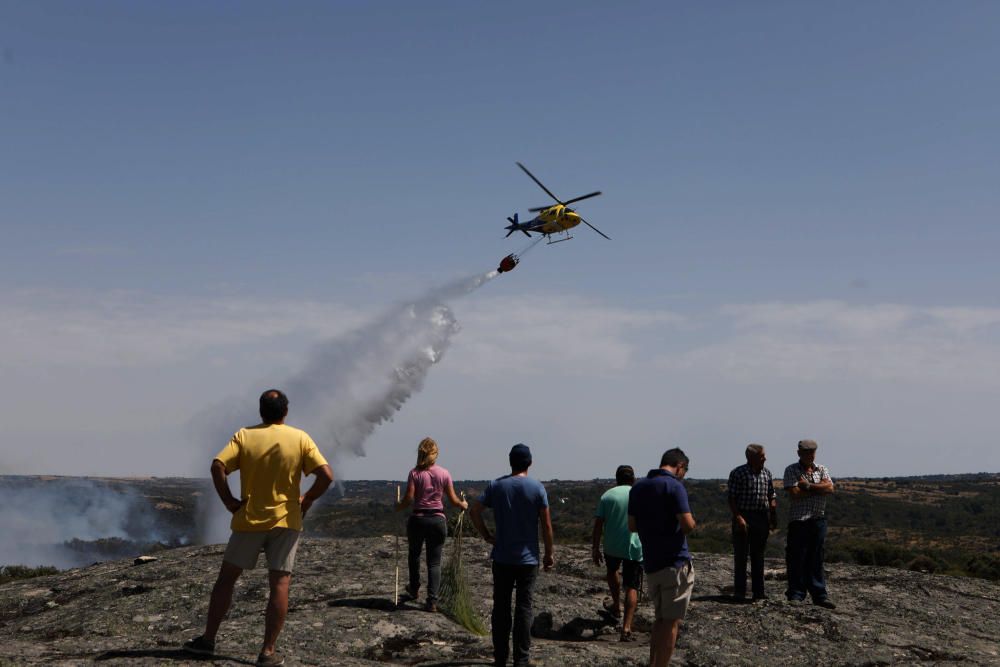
x: 750, y: 543
x: 505, y: 579
x: 804, y: 552
x: 430, y: 530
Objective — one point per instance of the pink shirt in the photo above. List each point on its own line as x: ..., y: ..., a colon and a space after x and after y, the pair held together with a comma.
x: 428, y: 489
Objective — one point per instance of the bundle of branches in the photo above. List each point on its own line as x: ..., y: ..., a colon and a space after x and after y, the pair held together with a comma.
x: 455, y: 598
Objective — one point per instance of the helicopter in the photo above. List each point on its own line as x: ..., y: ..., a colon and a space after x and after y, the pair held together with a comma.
x: 553, y: 219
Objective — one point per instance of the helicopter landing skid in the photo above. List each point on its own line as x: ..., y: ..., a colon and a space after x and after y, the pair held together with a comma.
x: 551, y: 242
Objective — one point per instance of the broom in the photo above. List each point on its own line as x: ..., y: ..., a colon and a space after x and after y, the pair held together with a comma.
x: 455, y: 599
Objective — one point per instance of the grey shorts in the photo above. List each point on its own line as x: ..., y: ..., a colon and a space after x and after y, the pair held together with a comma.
x: 278, y: 544
x: 670, y: 590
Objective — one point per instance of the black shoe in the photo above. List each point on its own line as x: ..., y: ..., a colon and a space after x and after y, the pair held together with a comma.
x: 825, y: 603
x: 200, y: 646
x: 760, y: 598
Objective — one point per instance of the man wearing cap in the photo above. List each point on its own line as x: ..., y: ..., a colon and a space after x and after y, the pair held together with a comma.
x: 622, y: 549
x: 807, y: 484
x: 754, y: 507
x: 519, y: 504
x: 658, y: 510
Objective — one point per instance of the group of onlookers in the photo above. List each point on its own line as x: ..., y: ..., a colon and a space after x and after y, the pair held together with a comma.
x: 657, y: 510
x: 643, y: 524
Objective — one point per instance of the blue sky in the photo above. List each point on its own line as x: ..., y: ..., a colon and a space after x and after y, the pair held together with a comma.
x: 802, y: 200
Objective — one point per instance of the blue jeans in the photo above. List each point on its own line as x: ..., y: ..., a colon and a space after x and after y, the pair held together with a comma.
x: 505, y: 579
x: 804, y: 552
x: 431, y: 530
x: 750, y: 543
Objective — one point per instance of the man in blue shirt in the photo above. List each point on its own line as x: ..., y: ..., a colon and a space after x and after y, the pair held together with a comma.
x: 519, y: 504
x: 658, y: 510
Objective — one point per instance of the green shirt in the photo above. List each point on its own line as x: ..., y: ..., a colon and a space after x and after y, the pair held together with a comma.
x: 618, y: 540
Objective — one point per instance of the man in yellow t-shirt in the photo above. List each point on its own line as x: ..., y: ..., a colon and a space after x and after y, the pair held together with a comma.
x: 271, y: 458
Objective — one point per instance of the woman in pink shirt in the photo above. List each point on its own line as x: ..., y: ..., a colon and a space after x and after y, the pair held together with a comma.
x: 426, y: 487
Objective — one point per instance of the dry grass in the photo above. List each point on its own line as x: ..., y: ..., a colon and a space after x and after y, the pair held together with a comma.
x: 455, y: 598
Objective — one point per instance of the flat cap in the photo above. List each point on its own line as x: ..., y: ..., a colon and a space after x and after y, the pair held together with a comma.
x: 807, y: 445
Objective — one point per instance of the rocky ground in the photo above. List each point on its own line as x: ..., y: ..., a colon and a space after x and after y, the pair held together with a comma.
x: 341, y: 613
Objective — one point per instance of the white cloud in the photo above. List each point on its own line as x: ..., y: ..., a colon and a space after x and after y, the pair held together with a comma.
x: 103, y: 382
x: 835, y: 341
x: 90, y: 329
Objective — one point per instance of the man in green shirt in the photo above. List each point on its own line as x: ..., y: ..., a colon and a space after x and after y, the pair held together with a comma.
x: 622, y: 548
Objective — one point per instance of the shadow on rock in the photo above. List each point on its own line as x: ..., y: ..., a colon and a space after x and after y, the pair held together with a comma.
x: 380, y: 604
x: 169, y: 654
x: 576, y: 629
x: 721, y: 599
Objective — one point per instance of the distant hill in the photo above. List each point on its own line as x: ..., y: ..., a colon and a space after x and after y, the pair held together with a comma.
x: 947, y: 524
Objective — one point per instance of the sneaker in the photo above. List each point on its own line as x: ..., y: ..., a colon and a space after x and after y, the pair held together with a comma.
x: 409, y: 594
x: 825, y: 603
x: 272, y: 660
x: 200, y: 646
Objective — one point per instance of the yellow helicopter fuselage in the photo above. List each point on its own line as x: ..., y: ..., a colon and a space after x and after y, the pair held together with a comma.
x: 556, y: 219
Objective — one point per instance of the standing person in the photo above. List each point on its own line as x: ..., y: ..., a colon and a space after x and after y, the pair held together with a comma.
x: 755, y: 513
x: 622, y: 548
x: 426, y: 486
x: 271, y: 458
x: 807, y: 485
x: 519, y: 505
x: 658, y: 510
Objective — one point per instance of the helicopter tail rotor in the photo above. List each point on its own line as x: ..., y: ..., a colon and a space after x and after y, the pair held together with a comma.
x: 515, y: 227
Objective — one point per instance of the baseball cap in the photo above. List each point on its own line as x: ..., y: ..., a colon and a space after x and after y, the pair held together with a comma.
x: 520, y: 456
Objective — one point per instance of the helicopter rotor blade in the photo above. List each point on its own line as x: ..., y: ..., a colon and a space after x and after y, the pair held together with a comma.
x: 540, y: 208
x: 595, y: 229
x: 581, y: 198
x: 538, y: 182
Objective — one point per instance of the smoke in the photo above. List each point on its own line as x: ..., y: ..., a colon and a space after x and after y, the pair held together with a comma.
x: 352, y: 384
x: 68, y: 522
x: 345, y: 389
x: 349, y: 385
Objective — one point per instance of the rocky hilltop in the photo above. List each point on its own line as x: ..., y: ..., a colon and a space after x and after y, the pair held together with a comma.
x: 128, y: 613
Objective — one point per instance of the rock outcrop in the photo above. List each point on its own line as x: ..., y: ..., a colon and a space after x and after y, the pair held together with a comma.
x: 139, y: 613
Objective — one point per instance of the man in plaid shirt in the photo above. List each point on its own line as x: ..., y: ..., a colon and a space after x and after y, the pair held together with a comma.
x: 754, y: 506
x: 807, y: 484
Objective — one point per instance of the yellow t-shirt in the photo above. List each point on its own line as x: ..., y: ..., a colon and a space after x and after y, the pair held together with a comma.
x: 271, y: 459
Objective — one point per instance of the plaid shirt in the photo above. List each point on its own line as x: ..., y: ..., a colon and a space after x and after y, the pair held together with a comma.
x: 752, y: 491
x: 808, y: 506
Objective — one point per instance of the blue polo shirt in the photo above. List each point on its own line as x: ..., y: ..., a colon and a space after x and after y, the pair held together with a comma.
x: 655, y: 503
x: 515, y: 501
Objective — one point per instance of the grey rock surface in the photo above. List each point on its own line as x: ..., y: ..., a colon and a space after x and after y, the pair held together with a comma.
x: 341, y: 613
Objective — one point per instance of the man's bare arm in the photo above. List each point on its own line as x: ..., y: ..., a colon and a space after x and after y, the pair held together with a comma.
x: 476, y: 514
x: 324, y: 477
x: 219, y: 475
x: 686, y: 522
x: 595, y: 539
x: 546, y: 518
x: 633, y: 525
